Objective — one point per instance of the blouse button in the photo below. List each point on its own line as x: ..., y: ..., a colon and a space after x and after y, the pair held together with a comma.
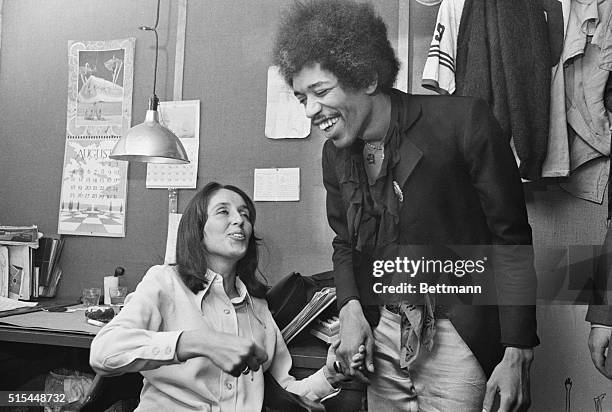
x: 226, y: 311
x: 229, y: 386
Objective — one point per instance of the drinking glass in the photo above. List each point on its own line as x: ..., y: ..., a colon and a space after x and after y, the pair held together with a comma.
x: 117, y: 297
x: 91, y: 296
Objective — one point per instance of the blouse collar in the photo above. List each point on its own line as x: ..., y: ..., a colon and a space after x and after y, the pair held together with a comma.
x: 213, y: 277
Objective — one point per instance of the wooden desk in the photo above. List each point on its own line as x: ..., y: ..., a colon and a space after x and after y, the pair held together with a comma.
x: 42, y: 337
x: 30, y: 347
x: 48, y: 328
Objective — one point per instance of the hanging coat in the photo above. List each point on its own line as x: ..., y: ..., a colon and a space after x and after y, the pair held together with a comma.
x: 503, y: 56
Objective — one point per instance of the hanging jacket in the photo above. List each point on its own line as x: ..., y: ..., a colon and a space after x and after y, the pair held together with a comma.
x: 503, y: 57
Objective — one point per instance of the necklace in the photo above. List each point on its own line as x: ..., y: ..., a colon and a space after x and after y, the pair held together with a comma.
x: 371, y: 146
x: 370, y: 158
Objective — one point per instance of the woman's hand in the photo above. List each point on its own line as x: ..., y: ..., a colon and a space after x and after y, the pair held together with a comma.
x: 334, y: 372
x: 232, y: 354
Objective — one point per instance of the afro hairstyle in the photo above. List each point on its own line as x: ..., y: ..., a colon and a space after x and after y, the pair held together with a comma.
x: 346, y: 38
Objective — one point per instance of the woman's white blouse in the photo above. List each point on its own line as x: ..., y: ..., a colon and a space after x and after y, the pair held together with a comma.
x: 143, y: 338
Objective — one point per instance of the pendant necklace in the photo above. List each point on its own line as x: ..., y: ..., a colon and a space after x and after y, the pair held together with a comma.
x: 370, y: 158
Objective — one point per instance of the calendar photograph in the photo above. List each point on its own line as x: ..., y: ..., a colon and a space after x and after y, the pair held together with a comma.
x: 183, y: 119
x: 94, y: 188
x: 100, y: 86
x: 100, y: 97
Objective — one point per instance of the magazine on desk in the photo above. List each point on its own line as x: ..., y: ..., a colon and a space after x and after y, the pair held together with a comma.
x: 319, y: 302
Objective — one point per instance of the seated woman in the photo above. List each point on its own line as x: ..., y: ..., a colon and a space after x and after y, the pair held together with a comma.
x: 200, y: 332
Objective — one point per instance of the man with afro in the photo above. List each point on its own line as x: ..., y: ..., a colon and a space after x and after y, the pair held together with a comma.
x: 403, y: 169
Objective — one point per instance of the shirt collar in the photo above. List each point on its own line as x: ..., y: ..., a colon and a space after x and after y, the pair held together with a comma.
x: 212, y: 277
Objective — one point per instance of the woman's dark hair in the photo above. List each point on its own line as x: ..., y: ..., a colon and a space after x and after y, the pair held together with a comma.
x: 191, y: 251
x: 346, y: 38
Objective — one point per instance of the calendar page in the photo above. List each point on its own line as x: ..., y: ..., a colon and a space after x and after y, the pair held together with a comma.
x: 183, y: 119
x: 94, y: 187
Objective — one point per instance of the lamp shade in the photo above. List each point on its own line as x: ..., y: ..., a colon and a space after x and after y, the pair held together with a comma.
x: 150, y: 142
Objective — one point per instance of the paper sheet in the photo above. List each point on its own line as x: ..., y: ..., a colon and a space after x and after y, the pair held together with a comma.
x: 285, y: 116
x: 10, y: 304
x: 69, y: 321
x: 277, y: 185
x: 173, y: 224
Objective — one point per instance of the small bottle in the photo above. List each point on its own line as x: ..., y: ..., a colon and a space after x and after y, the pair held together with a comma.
x: 112, y: 282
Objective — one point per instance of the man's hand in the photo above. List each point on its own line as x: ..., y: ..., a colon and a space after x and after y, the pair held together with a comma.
x: 354, y: 332
x: 599, y: 339
x: 510, y: 379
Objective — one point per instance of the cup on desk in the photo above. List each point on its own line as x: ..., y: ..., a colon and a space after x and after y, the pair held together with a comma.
x: 117, y: 297
x: 91, y: 296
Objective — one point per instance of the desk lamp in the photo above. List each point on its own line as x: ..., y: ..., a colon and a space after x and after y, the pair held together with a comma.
x: 150, y: 142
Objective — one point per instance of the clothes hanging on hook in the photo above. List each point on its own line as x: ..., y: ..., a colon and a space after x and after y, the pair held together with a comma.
x: 557, y: 161
x: 588, y: 56
x: 493, y: 58
x: 439, y: 70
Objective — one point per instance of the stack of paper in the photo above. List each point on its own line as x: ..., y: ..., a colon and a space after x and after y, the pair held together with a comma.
x: 10, y: 304
x: 319, y: 302
x: 19, y: 236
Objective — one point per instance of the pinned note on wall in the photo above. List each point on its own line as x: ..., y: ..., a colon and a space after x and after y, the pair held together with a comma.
x: 285, y: 116
x: 276, y: 185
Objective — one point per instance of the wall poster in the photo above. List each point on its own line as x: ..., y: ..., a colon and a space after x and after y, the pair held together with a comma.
x: 94, y: 187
